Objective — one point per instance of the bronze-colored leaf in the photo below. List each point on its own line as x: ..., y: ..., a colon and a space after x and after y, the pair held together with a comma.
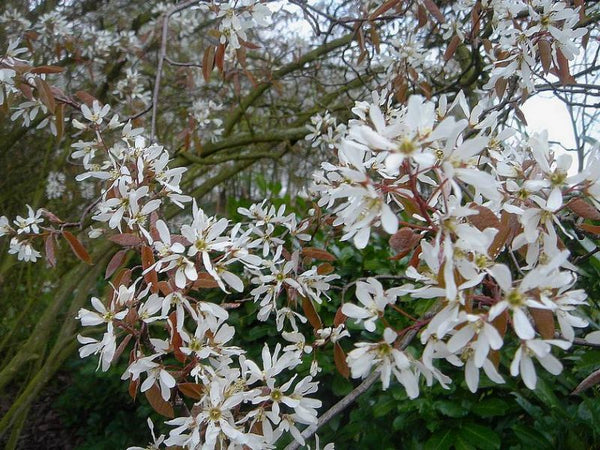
x: 501, y: 236
x: 159, y: 405
x: 50, y: 253
x: 208, y: 62
x: 384, y: 8
x: 206, y: 281
x: 148, y: 261
x: 434, y: 10
x: 133, y: 388
x: 325, y: 269
x: 545, y: 52
x: 339, y: 318
x: 85, y: 97
x: 77, y: 247
x: 249, y: 45
x: 47, y: 69
x: 318, y: 253
x: 544, y: 322
x: 583, y: 209
x: 126, y: 239
x: 191, y: 390
x: 176, y: 340
x: 591, y: 380
x: 500, y: 323
x: 421, y: 16
x: 114, y: 263
x: 500, y: 87
x: 44, y: 94
x: 59, y: 120
x: 339, y: 357
x: 451, y: 49
x: 404, y: 241
x: 485, y: 219
x: 220, y: 57
x: 121, y: 348
x: 311, y: 313
x: 564, y: 72
x: 594, y: 229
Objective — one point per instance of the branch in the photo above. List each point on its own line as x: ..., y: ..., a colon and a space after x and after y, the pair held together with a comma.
x: 161, y: 59
x: 352, y: 396
x: 238, y: 112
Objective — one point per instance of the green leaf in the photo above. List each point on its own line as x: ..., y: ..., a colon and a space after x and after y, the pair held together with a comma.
x: 529, y: 407
x: 450, y: 408
x: 531, y: 438
x: 480, y: 436
x: 490, y: 407
x: 441, y: 440
x: 383, y: 407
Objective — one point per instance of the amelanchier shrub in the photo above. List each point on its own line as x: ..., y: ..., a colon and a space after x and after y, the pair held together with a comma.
x: 481, y: 211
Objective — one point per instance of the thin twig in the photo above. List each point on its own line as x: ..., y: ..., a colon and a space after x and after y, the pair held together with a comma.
x: 161, y: 59
x: 351, y: 397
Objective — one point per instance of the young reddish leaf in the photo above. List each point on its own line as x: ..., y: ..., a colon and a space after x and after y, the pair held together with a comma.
x: 544, y: 322
x: 47, y: 69
x: 176, y: 340
x: 501, y: 323
x: 564, y: 73
x: 520, y: 115
x: 133, y: 388
x: 403, y: 241
x: 375, y: 38
x: 318, y: 253
x: 151, y: 276
x: 339, y: 358
x: 325, y: 269
x: 165, y: 288
x: 384, y: 8
x: 126, y: 239
x: 434, y: 10
x: 545, y: 52
x: 591, y: 380
x: 220, y: 57
x: 77, y: 247
x: 414, y: 259
x: 594, y: 229
x: 421, y: 16
x: 339, y: 318
x: 451, y: 49
x: 506, y: 226
x: 59, y: 120
x: 45, y: 95
x: 208, y: 62
x: 158, y: 403
x: 583, y: 209
x: 122, y: 278
x: 485, y: 219
x: 249, y: 45
x: 192, y: 390
x: 311, y: 314
x: 500, y: 87
x: 206, y: 281
x: 121, y: 348
x: 50, y: 253
x: 114, y: 263
x: 85, y: 97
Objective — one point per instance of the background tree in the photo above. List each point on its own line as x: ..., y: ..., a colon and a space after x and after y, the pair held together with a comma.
x: 233, y: 96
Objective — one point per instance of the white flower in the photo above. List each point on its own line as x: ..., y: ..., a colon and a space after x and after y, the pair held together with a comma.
x: 541, y: 350
x: 96, y: 114
x: 374, y: 300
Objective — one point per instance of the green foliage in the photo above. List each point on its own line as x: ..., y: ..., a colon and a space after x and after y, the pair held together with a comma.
x: 98, y: 409
x: 507, y: 416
